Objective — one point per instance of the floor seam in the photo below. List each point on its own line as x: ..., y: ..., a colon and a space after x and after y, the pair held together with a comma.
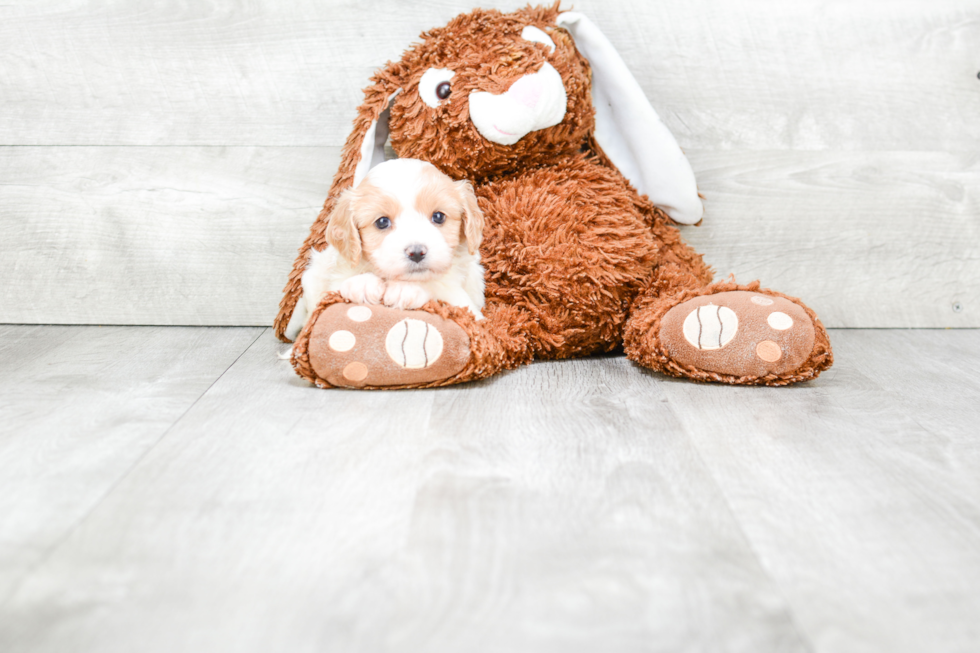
x: 791, y: 612
x: 112, y: 488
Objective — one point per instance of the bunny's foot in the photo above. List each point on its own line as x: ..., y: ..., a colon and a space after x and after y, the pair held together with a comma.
x: 358, y: 346
x: 739, y: 336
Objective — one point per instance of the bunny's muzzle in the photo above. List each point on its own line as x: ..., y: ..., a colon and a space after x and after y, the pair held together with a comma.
x: 532, y: 102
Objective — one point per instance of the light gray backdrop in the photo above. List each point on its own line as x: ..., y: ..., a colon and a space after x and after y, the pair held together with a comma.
x: 160, y: 162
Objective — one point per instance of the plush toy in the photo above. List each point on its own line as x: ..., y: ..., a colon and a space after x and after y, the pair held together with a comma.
x: 581, y: 186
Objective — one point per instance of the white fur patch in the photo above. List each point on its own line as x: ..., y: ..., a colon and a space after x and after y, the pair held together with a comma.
x: 402, y: 179
x: 297, y: 319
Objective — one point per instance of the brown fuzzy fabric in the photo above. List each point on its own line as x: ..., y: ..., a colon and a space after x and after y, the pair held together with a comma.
x: 485, y: 50
x: 576, y: 260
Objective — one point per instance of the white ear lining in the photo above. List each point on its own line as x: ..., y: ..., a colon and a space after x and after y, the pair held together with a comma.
x: 373, y: 146
x: 629, y: 130
x: 532, y: 33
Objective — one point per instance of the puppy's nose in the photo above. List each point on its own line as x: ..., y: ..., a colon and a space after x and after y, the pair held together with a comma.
x: 415, y: 252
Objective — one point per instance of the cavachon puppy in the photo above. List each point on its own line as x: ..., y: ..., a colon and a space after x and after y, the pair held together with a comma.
x: 407, y: 234
x: 581, y: 187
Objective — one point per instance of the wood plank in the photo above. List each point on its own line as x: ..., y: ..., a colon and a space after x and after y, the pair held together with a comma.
x: 865, y: 508
x: 79, y: 407
x: 557, y: 508
x: 934, y: 376
x: 748, y: 75
x: 194, y: 236
x: 207, y: 235
x: 868, y: 239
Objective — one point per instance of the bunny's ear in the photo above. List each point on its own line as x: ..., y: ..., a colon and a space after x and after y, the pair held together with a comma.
x: 363, y: 150
x: 372, y: 149
x: 628, y: 129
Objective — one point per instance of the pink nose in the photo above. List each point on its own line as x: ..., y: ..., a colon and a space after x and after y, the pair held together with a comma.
x: 526, y: 90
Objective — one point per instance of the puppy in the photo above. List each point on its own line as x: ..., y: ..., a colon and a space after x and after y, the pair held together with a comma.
x: 404, y: 235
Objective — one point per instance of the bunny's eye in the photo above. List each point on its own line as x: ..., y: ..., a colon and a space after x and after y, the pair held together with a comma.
x: 434, y: 86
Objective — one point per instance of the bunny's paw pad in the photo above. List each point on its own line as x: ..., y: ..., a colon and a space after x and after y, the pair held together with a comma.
x: 738, y: 333
x: 355, y: 346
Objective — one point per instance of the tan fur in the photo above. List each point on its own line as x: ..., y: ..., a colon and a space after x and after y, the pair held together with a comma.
x: 370, y: 203
x: 439, y: 193
x: 343, y: 232
x: 473, y: 219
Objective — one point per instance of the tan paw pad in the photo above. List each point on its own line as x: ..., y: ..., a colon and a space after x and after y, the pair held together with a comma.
x: 355, y: 371
x: 779, y: 321
x: 738, y: 333
x: 768, y: 351
x: 377, y: 346
x: 342, y: 340
x: 414, y: 344
x: 359, y: 313
x: 710, y: 327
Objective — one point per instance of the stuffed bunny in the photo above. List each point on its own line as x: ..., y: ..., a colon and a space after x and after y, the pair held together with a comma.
x: 581, y: 186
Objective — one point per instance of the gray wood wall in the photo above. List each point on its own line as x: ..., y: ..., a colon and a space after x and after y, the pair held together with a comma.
x: 161, y: 162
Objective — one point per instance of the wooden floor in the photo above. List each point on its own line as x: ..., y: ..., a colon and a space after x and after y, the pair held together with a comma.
x: 179, y: 489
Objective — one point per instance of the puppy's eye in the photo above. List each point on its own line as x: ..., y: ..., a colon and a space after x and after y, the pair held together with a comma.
x: 434, y: 86
x: 438, y: 217
x: 382, y: 223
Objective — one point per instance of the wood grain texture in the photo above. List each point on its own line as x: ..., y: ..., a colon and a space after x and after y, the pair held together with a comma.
x: 569, y: 506
x: 192, y: 236
x: 813, y: 130
x: 558, y: 508
x: 79, y: 406
x: 867, y: 239
x: 748, y: 75
x: 860, y: 491
x: 207, y: 235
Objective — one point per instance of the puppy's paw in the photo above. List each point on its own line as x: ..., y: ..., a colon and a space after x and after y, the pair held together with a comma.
x: 405, y: 295
x: 363, y: 289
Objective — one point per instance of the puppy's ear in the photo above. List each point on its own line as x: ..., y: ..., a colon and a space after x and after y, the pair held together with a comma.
x: 342, y: 231
x: 472, y: 216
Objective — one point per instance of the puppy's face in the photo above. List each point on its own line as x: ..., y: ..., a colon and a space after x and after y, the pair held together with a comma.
x: 406, y: 218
